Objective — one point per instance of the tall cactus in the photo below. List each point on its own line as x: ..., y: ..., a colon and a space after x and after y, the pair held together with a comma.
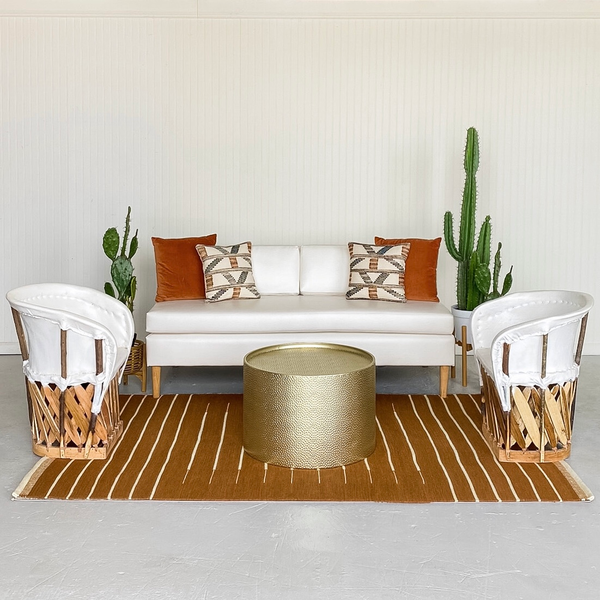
x: 121, y: 270
x: 473, y: 273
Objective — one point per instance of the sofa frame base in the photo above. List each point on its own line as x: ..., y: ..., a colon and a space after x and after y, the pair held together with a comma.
x: 444, y: 376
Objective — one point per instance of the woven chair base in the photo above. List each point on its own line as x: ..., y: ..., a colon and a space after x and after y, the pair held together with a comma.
x: 537, y: 428
x: 73, y: 440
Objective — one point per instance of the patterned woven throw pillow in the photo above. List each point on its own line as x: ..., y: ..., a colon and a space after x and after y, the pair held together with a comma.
x: 228, y: 272
x: 377, y: 272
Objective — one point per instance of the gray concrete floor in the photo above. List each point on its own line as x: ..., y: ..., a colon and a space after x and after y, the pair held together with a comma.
x: 295, y: 550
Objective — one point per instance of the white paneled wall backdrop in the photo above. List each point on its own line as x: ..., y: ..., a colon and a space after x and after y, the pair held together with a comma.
x: 300, y: 130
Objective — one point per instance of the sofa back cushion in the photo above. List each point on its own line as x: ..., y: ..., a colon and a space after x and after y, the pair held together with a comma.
x: 276, y: 269
x: 324, y: 270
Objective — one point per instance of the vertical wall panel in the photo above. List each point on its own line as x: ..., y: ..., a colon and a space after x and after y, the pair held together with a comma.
x: 295, y: 131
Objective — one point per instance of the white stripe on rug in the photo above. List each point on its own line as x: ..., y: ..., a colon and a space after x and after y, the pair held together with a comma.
x: 67, y: 465
x: 154, y: 446
x: 108, y: 461
x: 368, y: 469
x: 483, y: 470
x: 477, y: 428
x: 454, y: 449
x: 550, y: 482
x: 139, y: 440
x: 193, y: 456
x: 240, y: 463
x: 168, y: 457
x: 220, y: 445
x: 530, y: 481
x: 412, y: 450
x: 387, y: 449
x: 434, y: 448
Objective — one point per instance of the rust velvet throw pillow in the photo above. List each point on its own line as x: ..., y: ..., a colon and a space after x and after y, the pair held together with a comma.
x: 179, y: 274
x: 420, y: 276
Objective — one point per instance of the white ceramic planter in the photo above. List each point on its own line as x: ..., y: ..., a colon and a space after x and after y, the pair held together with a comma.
x: 462, y: 317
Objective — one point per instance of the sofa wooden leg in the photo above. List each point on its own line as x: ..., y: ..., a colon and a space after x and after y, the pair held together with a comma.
x: 155, y: 382
x: 444, y: 374
x: 144, y: 370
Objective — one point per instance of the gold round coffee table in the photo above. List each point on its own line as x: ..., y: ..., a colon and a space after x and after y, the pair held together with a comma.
x: 309, y: 406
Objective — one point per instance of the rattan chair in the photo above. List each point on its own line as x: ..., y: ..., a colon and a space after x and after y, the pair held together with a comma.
x: 528, y: 347
x: 75, y: 342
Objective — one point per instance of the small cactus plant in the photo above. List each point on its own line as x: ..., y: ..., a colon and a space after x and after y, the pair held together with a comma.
x: 473, y: 274
x: 121, y: 270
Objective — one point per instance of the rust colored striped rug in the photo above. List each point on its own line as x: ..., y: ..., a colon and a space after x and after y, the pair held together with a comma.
x: 183, y: 447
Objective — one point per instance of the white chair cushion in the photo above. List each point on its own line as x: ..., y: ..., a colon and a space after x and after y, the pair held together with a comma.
x: 276, y: 269
x: 86, y: 315
x: 324, y: 270
x: 300, y: 314
x: 520, y: 320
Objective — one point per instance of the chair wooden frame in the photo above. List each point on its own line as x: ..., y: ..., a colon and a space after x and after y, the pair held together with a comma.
x: 62, y: 422
x: 538, y: 427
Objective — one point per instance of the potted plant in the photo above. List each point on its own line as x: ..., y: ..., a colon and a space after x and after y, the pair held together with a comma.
x: 124, y: 288
x: 121, y: 270
x: 474, y: 282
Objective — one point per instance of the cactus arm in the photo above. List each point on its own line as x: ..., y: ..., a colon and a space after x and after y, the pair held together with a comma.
x: 508, y: 281
x: 497, y: 267
x: 134, y: 245
x: 466, y: 240
x: 461, y: 285
x: 483, y: 279
x: 110, y: 243
x: 472, y: 149
x: 121, y: 272
x: 130, y: 296
x: 469, y: 204
x: 109, y: 290
x: 126, y: 232
x: 484, y: 242
x: 472, y: 291
x: 449, y: 237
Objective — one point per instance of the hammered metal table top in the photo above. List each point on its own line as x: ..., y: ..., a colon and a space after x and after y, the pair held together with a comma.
x: 304, y: 359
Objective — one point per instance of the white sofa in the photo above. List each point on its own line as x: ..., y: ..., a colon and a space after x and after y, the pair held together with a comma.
x: 303, y: 299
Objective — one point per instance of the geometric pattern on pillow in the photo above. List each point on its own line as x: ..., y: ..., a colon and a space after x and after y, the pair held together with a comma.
x: 377, y: 272
x: 420, y: 276
x: 228, y: 272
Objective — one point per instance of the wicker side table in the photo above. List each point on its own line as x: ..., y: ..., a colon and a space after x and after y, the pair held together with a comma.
x: 309, y: 406
x: 136, y: 364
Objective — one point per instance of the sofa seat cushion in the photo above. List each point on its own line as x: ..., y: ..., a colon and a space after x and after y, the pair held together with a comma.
x: 272, y: 314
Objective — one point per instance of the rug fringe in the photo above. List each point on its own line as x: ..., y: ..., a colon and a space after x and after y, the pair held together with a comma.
x: 585, y: 494
x: 32, y: 476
